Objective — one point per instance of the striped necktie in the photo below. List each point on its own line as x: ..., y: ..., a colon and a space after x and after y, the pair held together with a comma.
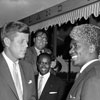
x: 40, y: 86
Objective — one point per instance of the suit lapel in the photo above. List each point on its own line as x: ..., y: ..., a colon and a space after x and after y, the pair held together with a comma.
x: 7, y: 77
x: 34, y: 51
x: 36, y: 83
x: 23, y: 83
x: 47, y: 87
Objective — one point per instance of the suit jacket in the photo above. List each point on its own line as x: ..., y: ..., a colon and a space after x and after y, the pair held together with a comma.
x: 7, y: 87
x: 87, y: 85
x: 31, y: 57
x: 53, y: 90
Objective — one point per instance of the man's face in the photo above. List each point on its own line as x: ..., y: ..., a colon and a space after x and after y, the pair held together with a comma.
x: 44, y: 65
x: 41, y: 41
x: 79, y: 52
x: 16, y: 48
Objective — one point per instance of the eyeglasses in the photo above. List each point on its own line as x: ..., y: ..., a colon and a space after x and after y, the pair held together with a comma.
x: 40, y: 38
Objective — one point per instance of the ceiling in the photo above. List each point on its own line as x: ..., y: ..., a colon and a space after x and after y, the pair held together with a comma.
x: 18, y: 9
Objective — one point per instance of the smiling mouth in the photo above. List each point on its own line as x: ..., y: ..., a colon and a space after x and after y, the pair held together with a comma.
x: 43, y: 69
x: 74, y: 57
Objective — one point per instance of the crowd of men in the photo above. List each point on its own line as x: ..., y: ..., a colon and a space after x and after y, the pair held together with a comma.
x: 26, y: 73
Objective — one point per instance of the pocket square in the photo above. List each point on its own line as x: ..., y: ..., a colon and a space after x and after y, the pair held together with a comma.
x: 52, y: 92
x: 71, y: 97
x: 30, y: 81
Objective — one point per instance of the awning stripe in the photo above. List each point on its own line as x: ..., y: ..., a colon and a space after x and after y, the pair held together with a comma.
x: 72, y: 16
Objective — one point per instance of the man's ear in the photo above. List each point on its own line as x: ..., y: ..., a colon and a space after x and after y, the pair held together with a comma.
x: 91, y: 48
x: 7, y: 41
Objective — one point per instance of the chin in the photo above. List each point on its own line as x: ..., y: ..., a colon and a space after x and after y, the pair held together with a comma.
x: 78, y: 64
x: 75, y: 63
x: 22, y: 56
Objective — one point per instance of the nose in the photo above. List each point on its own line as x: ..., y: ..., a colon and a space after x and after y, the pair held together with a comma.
x: 26, y: 44
x: 71, y: 51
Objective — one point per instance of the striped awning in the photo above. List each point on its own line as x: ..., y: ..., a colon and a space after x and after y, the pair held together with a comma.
x: 71, y: 16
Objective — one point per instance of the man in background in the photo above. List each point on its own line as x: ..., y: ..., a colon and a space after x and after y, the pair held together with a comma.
x: 40, y: 41
x: 49, y: 87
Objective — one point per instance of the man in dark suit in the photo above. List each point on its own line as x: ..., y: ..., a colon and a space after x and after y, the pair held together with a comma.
x: 85, y: 47
x: 16, y: 76
x: 40, y: 41
x: 52, y: 87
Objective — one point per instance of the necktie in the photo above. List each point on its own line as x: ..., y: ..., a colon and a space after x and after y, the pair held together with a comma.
x: 17, y: 81
x: 40, y: 86
x: 40, y: 51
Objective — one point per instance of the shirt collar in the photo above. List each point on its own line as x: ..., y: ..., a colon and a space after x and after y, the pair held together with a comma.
x: 46, y: 75
x: 8, y: 60
x: 37, y: 50
x: 88, y: 63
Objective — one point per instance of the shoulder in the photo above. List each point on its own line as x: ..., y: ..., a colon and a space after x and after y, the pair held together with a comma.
x: 30, y: 49
x: 93, y: 69
x: 25, y: 63
x: 96, y: 69
x: 91, y: 88
x: 26, y: 66
x: 93, y: 74
x: 47, y: 50
x: 30, y: 52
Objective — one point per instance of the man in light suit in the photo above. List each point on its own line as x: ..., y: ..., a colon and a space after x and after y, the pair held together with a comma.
x: 16, y: 75
x: 53, y: 88
x: 40, y: 41
x: 85, y: 47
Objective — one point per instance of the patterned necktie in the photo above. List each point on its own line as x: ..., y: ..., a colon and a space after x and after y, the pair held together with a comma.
x: 17, y: 81
x: 40, y: 86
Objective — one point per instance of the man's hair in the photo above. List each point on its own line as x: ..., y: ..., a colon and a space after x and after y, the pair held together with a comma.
x: 87, y: 33
x: 38, y: 32
x: 10, y: 29
x: 44, y: 55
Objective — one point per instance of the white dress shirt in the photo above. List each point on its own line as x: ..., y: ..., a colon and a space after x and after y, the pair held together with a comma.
x: 10, y: 66
x: 45, y: 78
x: 38, y: 51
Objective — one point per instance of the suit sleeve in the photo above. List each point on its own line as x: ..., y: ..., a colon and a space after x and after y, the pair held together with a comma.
x: 34, y: 86
x: 62, y: 88
x: 29, y: 75
x: 91, y: 89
